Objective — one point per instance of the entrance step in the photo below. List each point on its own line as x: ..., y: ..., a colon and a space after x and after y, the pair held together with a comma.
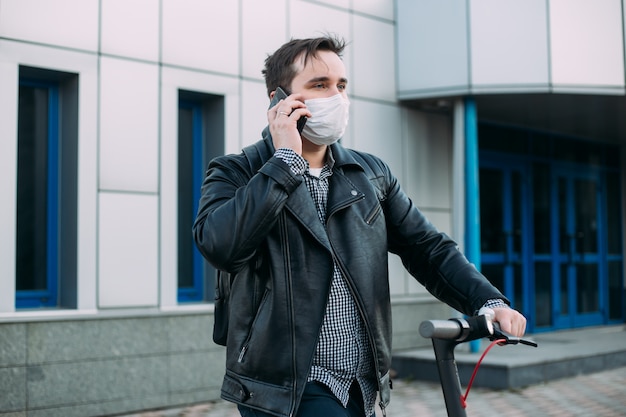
x: 560, y: 354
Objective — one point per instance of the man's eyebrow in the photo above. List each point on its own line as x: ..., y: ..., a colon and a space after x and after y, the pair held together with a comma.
x: 318, y: 79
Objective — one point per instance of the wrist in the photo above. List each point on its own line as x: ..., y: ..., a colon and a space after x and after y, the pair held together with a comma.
x: 296, y: 162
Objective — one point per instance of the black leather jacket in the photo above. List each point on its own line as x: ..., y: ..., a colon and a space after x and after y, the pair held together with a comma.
x: 257, y: 221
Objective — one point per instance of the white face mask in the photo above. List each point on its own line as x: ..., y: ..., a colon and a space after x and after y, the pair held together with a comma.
x: 329, y: 121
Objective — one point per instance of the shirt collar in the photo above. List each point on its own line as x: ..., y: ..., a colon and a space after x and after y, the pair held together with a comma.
x: 327, y: 169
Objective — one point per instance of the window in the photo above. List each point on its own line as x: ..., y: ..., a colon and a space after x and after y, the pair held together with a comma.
x: 46, y: 189
x: 200, y: 138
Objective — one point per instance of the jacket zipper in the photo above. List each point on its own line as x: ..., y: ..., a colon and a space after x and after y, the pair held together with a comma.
x: 381, y: 404
x: 360, y: 308
x: 372, y: 216
x: 245, y: 347
x: 294, y: 364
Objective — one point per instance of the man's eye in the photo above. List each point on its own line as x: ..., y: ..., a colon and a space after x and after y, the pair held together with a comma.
x: 342, y: 86
x: 318, y: 86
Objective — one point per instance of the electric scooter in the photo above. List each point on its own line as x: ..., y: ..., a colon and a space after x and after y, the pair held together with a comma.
x: 446, y: 335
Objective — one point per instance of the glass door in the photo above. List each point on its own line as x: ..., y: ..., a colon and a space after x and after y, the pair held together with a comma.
x: 505, y: 229
x: 577, y: 271
x: 551, y: 226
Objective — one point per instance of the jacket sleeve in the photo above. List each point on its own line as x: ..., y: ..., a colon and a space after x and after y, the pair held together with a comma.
x: 238, y: 208
x: 432, y: 257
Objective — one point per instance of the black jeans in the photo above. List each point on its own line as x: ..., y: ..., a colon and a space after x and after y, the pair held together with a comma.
x: 317, y: 401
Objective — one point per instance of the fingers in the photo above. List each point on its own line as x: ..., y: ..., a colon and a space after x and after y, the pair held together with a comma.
x: 283, y: 122
x: 511, y: 321
x: 291, y: 106
x: 292, y: 113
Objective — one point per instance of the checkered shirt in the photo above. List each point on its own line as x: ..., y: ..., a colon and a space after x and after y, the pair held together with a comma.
x: 343, y: 354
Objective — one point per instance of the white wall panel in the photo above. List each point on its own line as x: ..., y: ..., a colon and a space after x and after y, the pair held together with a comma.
x: 87, y: 183
x: 374, y: 60
x: 509, y: 43
x: 377, y: 130
x: 398, y: 276
x: 168, y: 201
x: 432, y: 48
x: 128, y: 236
x: 46, y: 57
x: 379, y: 8
x: 268, y: 18
x: 69, y: 23
x: 254, y: 105
x: 8, y: 180
x: 201, y: 34
x: 428, y: 158
x: 130, y: 28
x: 337, y: 3
x: 586, y: 43
x: 129, y: 123
x: 428, y: 140
x: 308, y: 20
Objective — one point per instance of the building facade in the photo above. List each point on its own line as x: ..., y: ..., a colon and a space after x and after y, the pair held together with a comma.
x: 540, y: 88
x: 502, y: 120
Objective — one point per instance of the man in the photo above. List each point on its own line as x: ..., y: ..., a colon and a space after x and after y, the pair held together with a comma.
x: 304, y: 226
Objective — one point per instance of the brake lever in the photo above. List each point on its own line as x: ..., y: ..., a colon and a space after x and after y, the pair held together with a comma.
x: 509, y: 339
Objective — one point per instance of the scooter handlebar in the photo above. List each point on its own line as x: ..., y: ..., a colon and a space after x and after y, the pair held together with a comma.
x: 460, y: 330
x: 472, y: 328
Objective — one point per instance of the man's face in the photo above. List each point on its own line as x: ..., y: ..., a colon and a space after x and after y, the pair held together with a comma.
x: 323, y: 76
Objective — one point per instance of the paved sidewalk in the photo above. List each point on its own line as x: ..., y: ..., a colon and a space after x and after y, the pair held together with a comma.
x: 594, y: 395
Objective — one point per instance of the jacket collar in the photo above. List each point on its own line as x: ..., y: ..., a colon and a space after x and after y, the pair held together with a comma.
x: 342, y: 157
x: 341, y: 194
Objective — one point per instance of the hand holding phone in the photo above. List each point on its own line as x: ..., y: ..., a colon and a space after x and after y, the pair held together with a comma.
x: 280, y: 94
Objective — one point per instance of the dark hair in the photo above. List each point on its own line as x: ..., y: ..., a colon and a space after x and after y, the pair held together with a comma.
x: 279, y: 70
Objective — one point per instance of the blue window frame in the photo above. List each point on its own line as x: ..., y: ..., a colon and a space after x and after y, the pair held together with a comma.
x: 200, y: 138
x: 37, y: 251
x: 191, y: 274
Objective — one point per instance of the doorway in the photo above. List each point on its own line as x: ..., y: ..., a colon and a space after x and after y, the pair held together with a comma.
x: 577, y: 235
x: 551, y: 230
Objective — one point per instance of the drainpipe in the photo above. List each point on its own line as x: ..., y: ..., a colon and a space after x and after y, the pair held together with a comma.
x: 458, y: 174
x: 472, y: 192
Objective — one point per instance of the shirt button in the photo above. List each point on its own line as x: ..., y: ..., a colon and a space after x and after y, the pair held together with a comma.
x: 353, y: 192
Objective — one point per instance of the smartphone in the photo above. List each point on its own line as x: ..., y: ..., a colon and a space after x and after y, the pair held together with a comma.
x: 281, y: 95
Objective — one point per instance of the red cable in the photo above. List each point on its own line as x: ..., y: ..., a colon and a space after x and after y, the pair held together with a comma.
x: 471, y: 381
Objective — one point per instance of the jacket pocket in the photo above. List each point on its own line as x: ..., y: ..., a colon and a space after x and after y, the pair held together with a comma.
x: 371, y: 217
x: 245, y: 346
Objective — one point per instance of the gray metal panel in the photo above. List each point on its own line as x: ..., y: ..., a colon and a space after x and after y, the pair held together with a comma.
x: 432, y: 47
x: 509, y: 44
x: 586, y: 46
